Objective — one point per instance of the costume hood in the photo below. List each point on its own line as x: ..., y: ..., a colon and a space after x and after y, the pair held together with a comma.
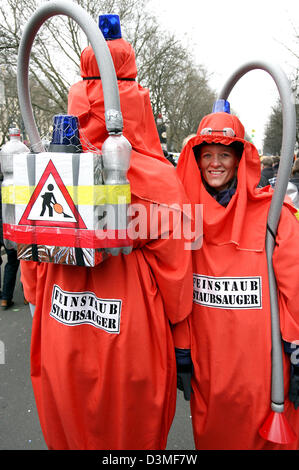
x: 218, y: 121
x: 151, y: 175
x: 223, y: 225
x: 86, y: 100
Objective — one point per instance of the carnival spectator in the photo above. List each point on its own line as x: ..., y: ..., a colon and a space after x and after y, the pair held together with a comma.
x: 266, y: 170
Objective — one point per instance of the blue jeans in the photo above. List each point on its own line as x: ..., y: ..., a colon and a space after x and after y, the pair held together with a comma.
x: 10, y: 274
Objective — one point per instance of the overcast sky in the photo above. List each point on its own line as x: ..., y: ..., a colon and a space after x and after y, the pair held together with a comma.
x: 224, y: 34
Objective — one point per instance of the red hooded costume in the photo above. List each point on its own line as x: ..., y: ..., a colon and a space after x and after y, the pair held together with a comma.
x: 102, y: 358
x: 230, y: 323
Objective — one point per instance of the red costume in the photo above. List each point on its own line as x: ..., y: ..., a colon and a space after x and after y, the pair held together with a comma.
x: 230, y: 322
x: 102, y: 358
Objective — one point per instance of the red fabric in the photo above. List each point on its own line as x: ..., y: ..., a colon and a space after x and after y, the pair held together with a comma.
x: 217, y: 225
x: 231, y: 343
x: 67, y: 236
x: 86, y: 101
x: 136, y: 118
x: 100, y: 390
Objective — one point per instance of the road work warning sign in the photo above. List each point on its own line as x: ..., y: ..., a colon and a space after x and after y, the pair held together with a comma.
x: 51, y: 204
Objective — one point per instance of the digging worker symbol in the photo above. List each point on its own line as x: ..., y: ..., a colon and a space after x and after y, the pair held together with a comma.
x: 47, y: 201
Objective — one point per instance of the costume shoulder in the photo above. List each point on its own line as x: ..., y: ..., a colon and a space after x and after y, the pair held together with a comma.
x: 155, y: 180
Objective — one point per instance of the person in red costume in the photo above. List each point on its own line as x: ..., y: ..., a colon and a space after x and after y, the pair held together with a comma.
x: 229, y: 330
x: 96, y: 389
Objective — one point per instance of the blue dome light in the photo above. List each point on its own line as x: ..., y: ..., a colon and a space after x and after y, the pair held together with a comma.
x: 65, y: 130
x: 110, y: 26
x: 221, y: 106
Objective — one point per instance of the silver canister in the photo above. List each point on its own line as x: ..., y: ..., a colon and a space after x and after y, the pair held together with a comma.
x: 116, y: 154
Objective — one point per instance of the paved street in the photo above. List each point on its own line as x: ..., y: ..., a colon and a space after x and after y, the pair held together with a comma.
x: 19, y: 429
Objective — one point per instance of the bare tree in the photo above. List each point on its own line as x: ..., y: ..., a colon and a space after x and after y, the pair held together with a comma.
x: 273, y: 131
x: 178, y: 88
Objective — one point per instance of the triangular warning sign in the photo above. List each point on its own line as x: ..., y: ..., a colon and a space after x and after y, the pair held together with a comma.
x: 51, y: 204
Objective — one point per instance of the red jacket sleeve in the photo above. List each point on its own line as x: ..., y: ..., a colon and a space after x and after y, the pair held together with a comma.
x: 29, y: 280
x: 171, y: 265
x: 286, y: 268
x: 181, y: 334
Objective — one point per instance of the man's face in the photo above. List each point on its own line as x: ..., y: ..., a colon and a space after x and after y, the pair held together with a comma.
x: 218, y: 164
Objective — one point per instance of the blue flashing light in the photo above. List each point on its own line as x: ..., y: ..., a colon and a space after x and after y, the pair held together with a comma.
x: 110, y: 26
x: 221, y: 106
x: 65, y: 130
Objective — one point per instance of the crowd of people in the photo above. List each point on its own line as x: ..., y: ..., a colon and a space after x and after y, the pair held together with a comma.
x: 269, y: 169
x: 196, y: 319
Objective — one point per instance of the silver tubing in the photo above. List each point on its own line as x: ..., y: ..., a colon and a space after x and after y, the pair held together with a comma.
x: 114, y: 121
x: 285, y: 166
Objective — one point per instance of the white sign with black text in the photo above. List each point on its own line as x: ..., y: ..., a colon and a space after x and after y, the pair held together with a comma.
x: 79, y: 308
x: 228, y: 292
